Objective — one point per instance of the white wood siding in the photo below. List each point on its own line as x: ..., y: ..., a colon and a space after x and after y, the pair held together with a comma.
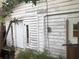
x: 57, y: 35
x: 34, y: 16
x: 28, y: 14
x: 57, y: 23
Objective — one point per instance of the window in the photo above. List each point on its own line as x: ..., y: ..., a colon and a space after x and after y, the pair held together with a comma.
x: 27, y: 32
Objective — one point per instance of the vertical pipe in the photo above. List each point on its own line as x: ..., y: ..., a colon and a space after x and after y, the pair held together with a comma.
x: 48, y: 46
x: 38, y: 29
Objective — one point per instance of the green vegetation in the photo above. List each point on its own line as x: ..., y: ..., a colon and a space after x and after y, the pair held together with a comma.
x: 31, y: 54
x: 8, y: 5
x: 1, y: 19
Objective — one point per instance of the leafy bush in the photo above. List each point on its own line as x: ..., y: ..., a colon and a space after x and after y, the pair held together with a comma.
x: 31, y: 54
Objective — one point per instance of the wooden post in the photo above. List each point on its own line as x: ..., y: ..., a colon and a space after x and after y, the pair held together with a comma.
x: 67, y: 38
x: 12, y: 35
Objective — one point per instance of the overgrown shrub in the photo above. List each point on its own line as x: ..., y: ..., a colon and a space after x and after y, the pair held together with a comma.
x: 31, y: 54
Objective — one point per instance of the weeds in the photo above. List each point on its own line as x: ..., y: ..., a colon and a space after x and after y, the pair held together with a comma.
x: 31, y: 54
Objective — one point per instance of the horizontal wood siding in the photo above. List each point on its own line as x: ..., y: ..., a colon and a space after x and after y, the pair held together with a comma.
x: 57, y: 24
x: 33, y: 29
x: 63, y: 6
x: 34, y: 17
x: 56, y: 7
x: 23, y: 12
x: 29, y: 15
x: 41, y: 33
x: 33, y: 33
x: 56, y: 36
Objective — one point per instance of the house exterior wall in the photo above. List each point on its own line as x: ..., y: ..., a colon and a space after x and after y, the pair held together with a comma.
x: 56, y: 35
x: 35, y: 17
x: 35, y: 23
